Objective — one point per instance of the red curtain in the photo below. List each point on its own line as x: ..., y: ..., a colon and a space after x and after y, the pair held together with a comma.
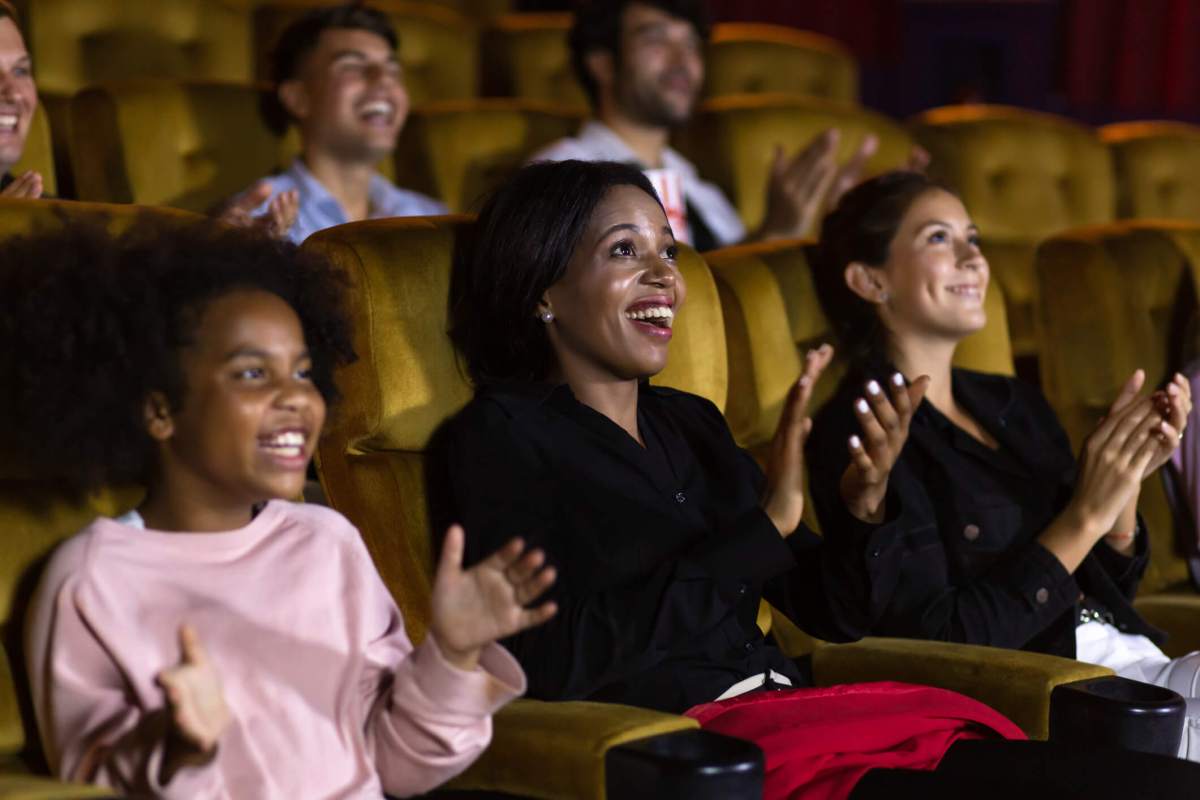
x: 1133, y: 57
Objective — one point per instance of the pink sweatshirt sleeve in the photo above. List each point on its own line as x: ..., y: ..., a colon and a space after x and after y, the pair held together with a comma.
x: 430, y: 719
x: 91, y: 728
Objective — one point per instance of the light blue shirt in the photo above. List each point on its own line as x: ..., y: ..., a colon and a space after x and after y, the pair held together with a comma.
x: 318, y: 209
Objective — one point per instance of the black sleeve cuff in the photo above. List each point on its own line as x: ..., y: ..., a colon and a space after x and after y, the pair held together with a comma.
x: 1121, y: 568
x: 753, y: 553
x: 1044, y: 583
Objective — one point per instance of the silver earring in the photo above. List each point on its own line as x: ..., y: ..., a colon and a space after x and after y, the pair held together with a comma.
x: 884, y: 297
x: 547, y: 316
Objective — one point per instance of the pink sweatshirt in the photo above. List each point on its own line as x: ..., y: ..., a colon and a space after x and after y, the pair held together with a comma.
x: 329, y: 697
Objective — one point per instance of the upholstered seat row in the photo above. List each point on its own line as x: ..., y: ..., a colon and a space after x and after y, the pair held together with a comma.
x: 450, y: 50
x: 748, y: 310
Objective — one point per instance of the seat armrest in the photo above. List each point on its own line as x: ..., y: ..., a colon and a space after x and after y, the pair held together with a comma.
x: 1014, y: 682
x: 550, y: 750
x: 33, y: 787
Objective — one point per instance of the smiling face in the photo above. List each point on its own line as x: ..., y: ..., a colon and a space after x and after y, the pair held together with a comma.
x: 250, y: 417
x: 935, y: 277
x: 615, y: 305
x: 661, y: 67
x: 349, y: 98
x: 18, y: 94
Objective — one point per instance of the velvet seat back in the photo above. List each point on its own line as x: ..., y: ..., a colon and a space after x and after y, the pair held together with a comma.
x: 732, y: 141
x: 1157, y: 169
x: 457, y: 151
x: 187, y: 145
x: 525, y: 55
x: 77, y: 43
x: 754, y: 58
x: 408, y: 381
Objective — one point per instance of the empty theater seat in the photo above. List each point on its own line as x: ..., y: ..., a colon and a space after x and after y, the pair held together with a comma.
x: 439, y: 46
x: 1157, y: 169
x: 752, y: 58
x: 526, y: 56
x: 1022, y: 176
x: 182, y: 144
x: 457, y: 151
x: 732, y: 141
x: 76, y: 43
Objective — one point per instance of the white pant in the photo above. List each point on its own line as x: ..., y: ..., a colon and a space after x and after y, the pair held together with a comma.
x: 1137, y: 658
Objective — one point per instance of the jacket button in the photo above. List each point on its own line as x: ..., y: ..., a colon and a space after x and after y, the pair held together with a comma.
x: 1042, y: 596
x: 971, y: 533
x: 875, y: 553
x: 680, y: 497
x: 1003, y: 422
x: 741, y: 588
x: 748, y: 647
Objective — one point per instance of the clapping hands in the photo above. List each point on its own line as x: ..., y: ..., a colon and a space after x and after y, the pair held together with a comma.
x: 474, y: 607
x: 884, y: 417
x: 275, y: 222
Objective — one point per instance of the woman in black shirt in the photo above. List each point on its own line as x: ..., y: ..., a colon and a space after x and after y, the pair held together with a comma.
x: 975, y: 524
x: 664, y: 533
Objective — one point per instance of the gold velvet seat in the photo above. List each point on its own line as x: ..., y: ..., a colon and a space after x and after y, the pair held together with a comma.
x: 77, y: 43
x: 34, y: 517
x: 1112, y: 298
x: 753, y: 58
x: 526, y: 56
x: 1157, y: 169
x: 1022, y: 176
x: 457, y: 151
x: 438, y: 45
x: 183, y: 144
x: 732, y: 141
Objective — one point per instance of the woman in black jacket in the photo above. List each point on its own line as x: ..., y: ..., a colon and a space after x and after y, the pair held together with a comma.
x: 665, y: 534
x: 974, y: 522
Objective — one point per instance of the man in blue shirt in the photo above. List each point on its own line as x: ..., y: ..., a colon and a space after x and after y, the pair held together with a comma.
x: 339, y: 82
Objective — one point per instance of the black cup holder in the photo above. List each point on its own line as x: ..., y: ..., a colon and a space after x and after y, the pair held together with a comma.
x: 1117, y: 712
x: 695, y: 764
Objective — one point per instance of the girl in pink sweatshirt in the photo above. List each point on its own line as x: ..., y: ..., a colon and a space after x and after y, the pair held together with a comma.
x: 219, y: 641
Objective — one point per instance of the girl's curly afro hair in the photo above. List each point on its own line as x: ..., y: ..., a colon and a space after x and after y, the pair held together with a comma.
x: 92, y: 323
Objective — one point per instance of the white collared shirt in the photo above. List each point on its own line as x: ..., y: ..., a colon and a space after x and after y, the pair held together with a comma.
x: 318, y: 209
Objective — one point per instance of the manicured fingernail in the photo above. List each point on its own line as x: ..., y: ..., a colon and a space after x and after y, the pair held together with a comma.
x: 873, y: 388
x: 898, y: 379
x: 803, y: 381
x: 855, y: 442
x: 861, y: 405
x: 1172, y: 389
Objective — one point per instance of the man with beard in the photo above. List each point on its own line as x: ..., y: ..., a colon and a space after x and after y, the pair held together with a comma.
x: 339, y: 81
x: 642, y: 65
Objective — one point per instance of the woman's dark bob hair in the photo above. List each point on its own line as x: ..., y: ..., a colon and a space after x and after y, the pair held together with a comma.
x: 861, y: 228
x: 526, y: 234
x: 93, y: 324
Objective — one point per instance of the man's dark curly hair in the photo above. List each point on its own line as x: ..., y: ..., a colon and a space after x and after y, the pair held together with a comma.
x: 597, y: 26
x: 92, y: 324
x: 301, y: 37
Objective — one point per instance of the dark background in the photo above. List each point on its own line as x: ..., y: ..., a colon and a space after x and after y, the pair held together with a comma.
x: 1096, y: 60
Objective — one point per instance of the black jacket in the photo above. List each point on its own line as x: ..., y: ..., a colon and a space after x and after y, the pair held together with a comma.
x: 957, y: 557
x: 662, y: 553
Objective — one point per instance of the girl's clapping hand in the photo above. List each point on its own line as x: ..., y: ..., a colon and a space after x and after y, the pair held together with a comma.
x: 474, y: 607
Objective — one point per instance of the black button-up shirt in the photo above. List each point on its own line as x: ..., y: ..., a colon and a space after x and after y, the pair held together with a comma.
x: 958, y: 557
x: 662, y: 552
